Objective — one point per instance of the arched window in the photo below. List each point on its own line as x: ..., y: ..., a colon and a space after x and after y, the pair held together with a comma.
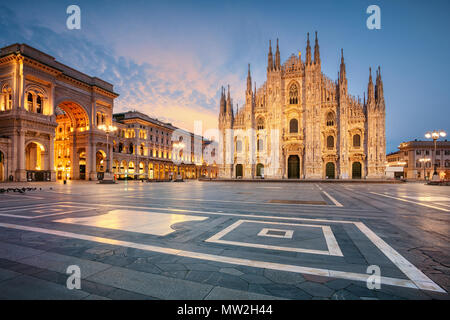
x: 293, y: 126
x: 131, y: 149
x: 293, y: 94
x: 30, y: 102
x: 260, y: 124
x: 142, y: 149
x: 330, y: 142
x: 260, y: 145
x: 356, y: 141
x: 39, y: 104
x: 330, y: 119
x: 238, y: 146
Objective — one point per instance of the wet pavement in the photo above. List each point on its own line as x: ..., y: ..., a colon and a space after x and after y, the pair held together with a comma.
x: 225, y: 240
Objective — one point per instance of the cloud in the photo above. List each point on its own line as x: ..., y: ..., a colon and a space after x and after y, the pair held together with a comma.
x: 176, y: 88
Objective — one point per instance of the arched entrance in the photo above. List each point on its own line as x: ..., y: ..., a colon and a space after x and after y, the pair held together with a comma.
x: 2, y: 167
x: 73, y: 122
x: 36, y: 162
x: 293, y: 167
x: 356, y: 170
x: 239, y: 171
x: 259, y: 170
x: 33, y: 152
x: 330, y: 170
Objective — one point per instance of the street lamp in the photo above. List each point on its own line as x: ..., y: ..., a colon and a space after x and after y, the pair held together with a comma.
x: 108, y: 130
x: 435, y: 135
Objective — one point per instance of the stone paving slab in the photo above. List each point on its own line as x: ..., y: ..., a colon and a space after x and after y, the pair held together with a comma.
x: 152, y: 285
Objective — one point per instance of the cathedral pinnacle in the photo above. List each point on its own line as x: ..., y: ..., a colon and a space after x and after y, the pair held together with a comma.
x: 316, y: 51
x: 308, y: 51
x: 277, y: 58
x: 270, y: 57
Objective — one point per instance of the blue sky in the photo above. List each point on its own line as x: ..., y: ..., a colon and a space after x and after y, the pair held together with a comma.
x: 169, y: 58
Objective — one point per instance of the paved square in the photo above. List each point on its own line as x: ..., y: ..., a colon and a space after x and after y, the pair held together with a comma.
x: 210, y: 240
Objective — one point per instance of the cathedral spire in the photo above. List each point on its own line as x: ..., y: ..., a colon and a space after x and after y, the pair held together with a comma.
x: 379, y: 96
x: 249, y: 81
x: 342, y: 73
x: 229, y: 104
x: 270, y: 57
x: 277, y: 58
x: 222, y: 101
x: 316, y: 51
x: 370, y: 91
x: 308, y: 51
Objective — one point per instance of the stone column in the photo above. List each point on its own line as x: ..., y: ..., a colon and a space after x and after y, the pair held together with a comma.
x: 21, y: 172
x: 51, y: 157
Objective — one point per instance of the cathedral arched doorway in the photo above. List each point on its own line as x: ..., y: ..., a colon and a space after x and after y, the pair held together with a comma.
x: 259, y: 170
x: 330, y: 170
x: 239, y: 171
x: 2, y: 167
x: 356, y: 170
x: 293, y: 167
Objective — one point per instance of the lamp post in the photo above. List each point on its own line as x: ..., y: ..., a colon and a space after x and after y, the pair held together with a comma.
x: 108, y: 130
x: 435, y: 135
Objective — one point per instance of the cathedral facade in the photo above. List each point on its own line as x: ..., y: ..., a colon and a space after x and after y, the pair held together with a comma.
x: 300, y: 124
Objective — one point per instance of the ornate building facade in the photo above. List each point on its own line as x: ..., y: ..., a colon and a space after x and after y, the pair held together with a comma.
x: 51, y: 128
x: 300, y: 124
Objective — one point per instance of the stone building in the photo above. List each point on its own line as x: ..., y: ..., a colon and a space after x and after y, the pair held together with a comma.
x: 51, y: 119
x: 301, y: 124
x: 145, y: 147
x: 49, y: 115
x: 417, y: 159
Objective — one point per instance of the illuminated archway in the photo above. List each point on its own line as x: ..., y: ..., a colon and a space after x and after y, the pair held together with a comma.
x: 72, y: 120
x: 34, y: 156
x: 100, y: 161
x: 2, y: 167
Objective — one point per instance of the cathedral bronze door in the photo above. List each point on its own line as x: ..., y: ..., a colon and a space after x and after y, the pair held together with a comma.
x: 330, y: 170
x: 356, y: 170
x: 294, y: 167
x: 239, y: 170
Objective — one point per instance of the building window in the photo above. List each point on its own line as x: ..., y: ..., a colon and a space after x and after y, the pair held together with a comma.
x: 330, y: 142
x: 447, y: 163
x: 260, y: 124
x: 418, y: 152
x: 418, y: 164
x: 427, y: 152
x: 39, y: 104
x: 330, y: 119
x: 30, y: 102
x: 293, y: 126
x: 356, y: 141
x: 447, y: 152
x: 293, y: 94
x: 438, y: 152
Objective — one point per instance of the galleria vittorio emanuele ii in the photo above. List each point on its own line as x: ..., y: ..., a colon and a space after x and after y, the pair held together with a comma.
x: 54, y: 123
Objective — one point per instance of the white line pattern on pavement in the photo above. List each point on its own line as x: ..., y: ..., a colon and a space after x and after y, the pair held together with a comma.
x: 418, y: 280
x: 415, y: 202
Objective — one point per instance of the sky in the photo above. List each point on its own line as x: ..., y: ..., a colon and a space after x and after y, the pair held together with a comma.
x: 169, y: 59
